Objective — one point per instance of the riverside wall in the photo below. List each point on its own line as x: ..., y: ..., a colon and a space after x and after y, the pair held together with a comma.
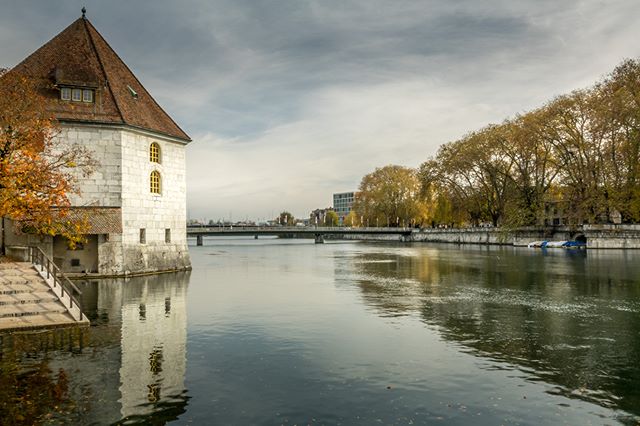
x: 597, y: 236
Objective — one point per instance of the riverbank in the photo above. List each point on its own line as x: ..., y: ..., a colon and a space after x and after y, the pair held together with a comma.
x: 596, y: 236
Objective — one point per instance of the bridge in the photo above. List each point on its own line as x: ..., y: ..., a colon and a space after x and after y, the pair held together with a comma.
x: 317, y: 232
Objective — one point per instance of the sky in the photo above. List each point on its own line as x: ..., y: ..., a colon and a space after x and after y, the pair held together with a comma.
x: 290, y: 101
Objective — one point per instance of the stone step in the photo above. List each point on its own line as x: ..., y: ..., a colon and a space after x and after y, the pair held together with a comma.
x: 48, y: 320
x: 14, y: 265
x: 27, y: 301
x: 18, y: 271
x: 28, y: 297
x: 24, y: 287
x: 19, y: 279
x: 26, y: 309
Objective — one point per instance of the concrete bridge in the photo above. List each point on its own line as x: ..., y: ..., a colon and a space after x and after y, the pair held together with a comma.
x: 317, y: 232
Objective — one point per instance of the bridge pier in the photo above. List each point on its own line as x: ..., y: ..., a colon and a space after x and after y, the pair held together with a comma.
x: 199, y: 240
x: 319, y: 239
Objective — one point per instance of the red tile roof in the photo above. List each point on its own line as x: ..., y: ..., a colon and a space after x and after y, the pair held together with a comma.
x: 80, y: 57
x: 100, y: 220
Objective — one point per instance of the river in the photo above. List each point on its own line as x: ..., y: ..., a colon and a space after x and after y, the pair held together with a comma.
x: 276, y: 331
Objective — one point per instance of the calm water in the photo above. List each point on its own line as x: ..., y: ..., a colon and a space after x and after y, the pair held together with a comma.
x: 289, y: 332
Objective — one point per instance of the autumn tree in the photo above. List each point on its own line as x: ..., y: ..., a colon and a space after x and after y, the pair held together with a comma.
x: 36, y: 174
x: 527, y: 143
x: 331, y: 218
x: 391, y: 196
x: 351, y: 219
x: 577, y: 158
x: 477, y: 174
x: 618, y: 117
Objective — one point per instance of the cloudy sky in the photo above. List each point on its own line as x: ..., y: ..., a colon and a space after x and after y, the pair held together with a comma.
x: 289, y: 101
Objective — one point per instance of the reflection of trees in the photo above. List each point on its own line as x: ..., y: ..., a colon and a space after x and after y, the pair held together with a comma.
x: 30, y: 392
x: 568, y: 319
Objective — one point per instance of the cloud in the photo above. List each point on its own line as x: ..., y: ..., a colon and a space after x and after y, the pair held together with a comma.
x: 289, y: 101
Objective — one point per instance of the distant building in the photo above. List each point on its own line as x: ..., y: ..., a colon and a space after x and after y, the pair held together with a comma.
x: 343, y: 203
x: 135, y: 201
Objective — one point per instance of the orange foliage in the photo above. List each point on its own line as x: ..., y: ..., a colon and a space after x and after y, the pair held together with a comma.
x: 36, y: 175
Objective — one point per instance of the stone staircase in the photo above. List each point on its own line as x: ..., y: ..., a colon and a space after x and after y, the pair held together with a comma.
x: 27, y: 300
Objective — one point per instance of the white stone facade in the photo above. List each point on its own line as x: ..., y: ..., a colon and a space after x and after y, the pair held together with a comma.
x: 122, y: 179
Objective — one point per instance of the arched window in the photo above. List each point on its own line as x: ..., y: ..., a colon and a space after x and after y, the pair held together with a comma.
x: 154, y: 182
x: 154, y: 153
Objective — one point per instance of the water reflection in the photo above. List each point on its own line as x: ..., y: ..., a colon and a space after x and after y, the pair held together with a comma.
x: 154, y: 332
x: 30, y: 385
x: 569, y: 319
x: 128, y: 367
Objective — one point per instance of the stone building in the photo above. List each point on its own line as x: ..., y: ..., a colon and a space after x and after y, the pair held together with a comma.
x: 135, y: 201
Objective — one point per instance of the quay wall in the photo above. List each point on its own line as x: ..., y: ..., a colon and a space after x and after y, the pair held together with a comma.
x: 597, y: 236
x: 368, y: 237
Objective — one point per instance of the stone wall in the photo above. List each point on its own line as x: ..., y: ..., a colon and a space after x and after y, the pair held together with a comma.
x: 121, y: 179
x: 598, y: 236
x: 489, y: 236
x: 85, y: 255
x: 155, y: 213
x: 16, y: 239
x: 367, y: 237
x: 104, y: 186
x: 612, y: 236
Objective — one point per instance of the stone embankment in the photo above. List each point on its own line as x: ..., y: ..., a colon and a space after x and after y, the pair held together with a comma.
x: 27, y: 301
x: 596, y: 236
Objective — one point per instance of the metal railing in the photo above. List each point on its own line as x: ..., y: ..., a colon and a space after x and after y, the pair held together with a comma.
x: 38, y: 258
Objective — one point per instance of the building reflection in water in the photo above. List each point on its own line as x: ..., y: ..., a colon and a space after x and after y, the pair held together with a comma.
x: 153, y: 345
x: 129, y: 366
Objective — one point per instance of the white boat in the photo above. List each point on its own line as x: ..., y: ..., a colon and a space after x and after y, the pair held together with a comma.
x: 536, y: 244
x: 555, y: 244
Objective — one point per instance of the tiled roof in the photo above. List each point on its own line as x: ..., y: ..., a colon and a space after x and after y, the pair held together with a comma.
x: 79, y: 56
x: 101, y: 220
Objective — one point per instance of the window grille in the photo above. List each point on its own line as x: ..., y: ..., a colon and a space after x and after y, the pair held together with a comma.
x: 154, y: 182
x: 154, y: 153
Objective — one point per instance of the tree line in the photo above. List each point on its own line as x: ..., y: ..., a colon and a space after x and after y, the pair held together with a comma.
x: 575, y: 159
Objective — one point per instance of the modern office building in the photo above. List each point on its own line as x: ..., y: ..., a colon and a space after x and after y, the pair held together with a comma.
x: 343, y: 203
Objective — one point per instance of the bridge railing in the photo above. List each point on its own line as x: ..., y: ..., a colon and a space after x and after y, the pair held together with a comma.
x: 310, y: 228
